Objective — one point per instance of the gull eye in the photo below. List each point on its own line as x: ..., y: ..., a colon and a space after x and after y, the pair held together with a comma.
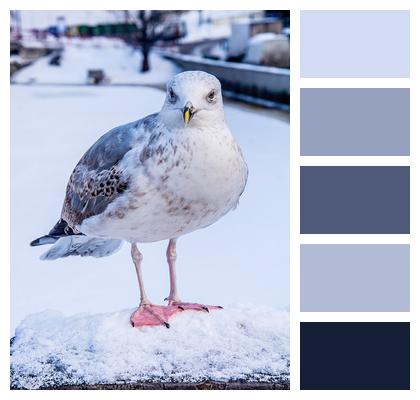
x: 172, y: 95
x: 211, y: 96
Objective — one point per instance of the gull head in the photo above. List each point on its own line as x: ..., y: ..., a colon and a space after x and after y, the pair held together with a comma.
x: 193, y: 98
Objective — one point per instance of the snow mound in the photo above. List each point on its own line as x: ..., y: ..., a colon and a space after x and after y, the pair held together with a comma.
x: 237, y: 343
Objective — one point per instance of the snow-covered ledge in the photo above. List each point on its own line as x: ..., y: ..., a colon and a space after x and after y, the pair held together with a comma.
x: 239, y: 345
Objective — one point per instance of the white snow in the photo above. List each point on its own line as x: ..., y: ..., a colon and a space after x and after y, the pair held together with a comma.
x: 239, y: 342
x: 49, y: 42
x: 268, y: 48
x: 17, y: 59
x: 263, y: 37
x: 120, y: 63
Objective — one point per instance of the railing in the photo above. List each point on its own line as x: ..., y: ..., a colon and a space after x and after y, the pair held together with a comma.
x: 258, y: 84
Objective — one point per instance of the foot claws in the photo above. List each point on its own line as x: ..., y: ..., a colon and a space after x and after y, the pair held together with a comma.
x: 181, y: 308
x: 206, y: 309
x: 152, y: 315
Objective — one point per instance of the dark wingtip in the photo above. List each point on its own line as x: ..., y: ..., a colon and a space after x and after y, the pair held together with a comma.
x: 47, y: 239
x: 35, y: 242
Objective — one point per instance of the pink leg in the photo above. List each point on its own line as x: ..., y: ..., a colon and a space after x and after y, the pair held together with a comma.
x: 148, y: 314
x: 171, y: 258
x: 137, y: 259
x: 173, y: 299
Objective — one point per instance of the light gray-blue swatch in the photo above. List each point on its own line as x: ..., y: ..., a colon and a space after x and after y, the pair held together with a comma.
x: 355, y: 122
x: 355, y: 277
x: 355, y: 44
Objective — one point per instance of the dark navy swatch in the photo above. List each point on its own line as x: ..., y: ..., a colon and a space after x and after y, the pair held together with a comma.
x: 355, y: 355
x: 355, y: 200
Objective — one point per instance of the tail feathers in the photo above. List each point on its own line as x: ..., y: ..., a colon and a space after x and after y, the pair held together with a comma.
x: 82, y: 246
x: 47, y: 239
x: 60, y: 229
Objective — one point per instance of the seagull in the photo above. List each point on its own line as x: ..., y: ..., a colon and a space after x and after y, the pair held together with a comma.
x: 157, y: 178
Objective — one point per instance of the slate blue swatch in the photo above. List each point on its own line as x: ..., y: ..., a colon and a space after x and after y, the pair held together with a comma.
x: 355, y: 122
x: 355, y: 200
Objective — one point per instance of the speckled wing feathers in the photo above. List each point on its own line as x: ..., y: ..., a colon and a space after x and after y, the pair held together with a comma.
x: 97, y: 179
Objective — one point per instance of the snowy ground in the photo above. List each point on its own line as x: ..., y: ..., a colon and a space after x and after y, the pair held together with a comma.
x: 239, y: 343
x: 119, y: 62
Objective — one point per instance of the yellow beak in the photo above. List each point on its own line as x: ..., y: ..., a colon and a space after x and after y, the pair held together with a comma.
x: 188, y: 112
x: 187, y: 115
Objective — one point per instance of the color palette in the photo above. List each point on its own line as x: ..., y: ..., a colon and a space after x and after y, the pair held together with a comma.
x: 360, y: 197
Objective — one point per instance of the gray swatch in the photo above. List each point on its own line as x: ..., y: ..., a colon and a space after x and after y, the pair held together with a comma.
x: 355, y: 122
x: 355, y: 277
x: 363, y: 44
x: 358, y: 200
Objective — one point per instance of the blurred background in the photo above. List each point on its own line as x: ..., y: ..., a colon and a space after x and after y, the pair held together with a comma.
x: 77, y: 74
x: 247, y: 50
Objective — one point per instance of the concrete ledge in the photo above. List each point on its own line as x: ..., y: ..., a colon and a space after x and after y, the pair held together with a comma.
x: 208, y: 385
x: 239, y: 347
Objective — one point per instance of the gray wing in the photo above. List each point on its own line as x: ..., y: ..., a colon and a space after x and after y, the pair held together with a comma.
x: 97, y: 179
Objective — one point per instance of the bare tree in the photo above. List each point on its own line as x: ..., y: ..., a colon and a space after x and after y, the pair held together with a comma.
x: 155, y: 26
